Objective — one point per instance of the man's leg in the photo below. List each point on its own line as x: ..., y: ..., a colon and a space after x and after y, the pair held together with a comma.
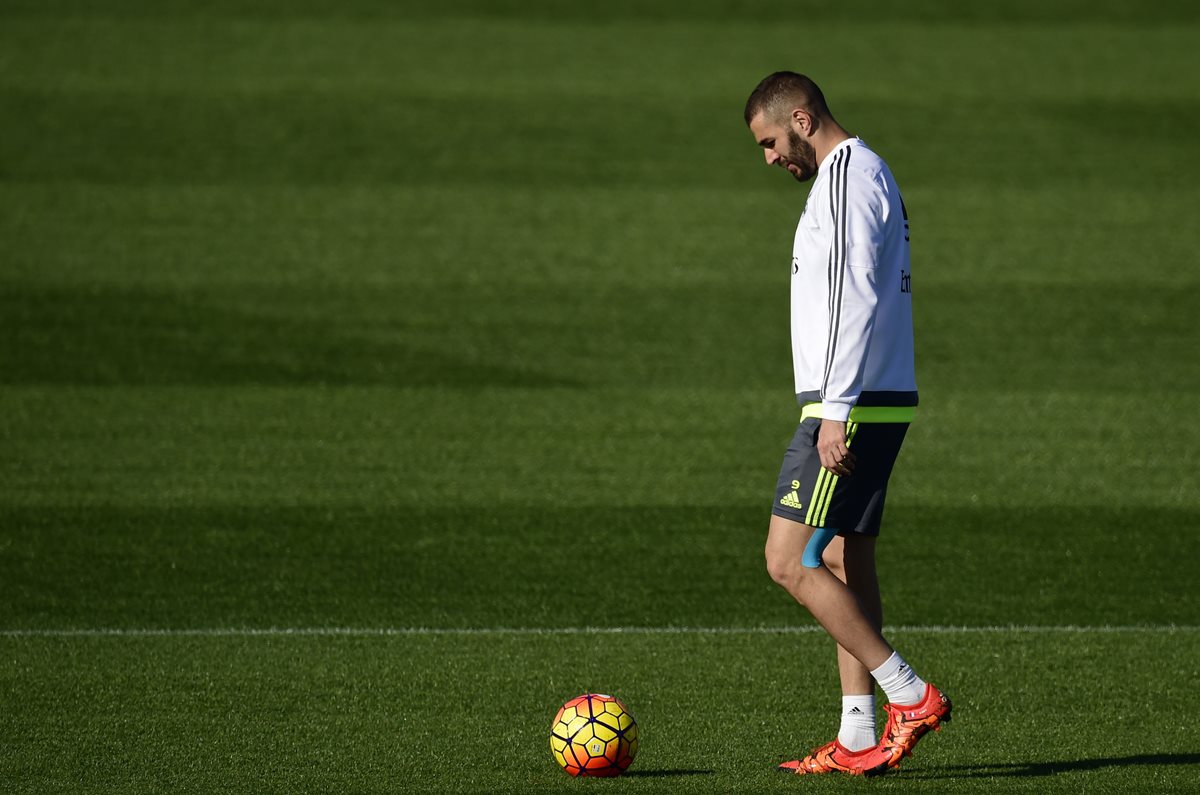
x: 831, y: 602
x: 852, y: 560
x: 834, y: 605
x: 797, y: 566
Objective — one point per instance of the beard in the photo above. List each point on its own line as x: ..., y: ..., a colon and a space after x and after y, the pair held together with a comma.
x: 802, y: 155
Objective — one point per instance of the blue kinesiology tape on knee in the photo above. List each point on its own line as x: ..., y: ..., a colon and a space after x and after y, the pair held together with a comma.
x: 816, y: 545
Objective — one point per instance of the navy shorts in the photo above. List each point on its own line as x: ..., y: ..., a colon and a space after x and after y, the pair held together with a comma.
x: 812, y: 495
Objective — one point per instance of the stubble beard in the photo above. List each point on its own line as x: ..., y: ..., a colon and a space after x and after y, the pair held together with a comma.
x: 802, y: 155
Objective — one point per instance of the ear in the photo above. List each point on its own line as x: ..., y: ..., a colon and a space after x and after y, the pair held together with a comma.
x: 803, y: 122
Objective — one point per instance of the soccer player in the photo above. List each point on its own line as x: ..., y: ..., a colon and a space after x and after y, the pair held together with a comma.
x: 852, y: 349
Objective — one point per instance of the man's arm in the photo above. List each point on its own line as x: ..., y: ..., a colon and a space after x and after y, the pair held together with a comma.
x: 857, y: 205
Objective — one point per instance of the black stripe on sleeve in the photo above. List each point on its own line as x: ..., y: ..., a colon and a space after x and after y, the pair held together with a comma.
x: 833, y: 258
x: 838, y: 259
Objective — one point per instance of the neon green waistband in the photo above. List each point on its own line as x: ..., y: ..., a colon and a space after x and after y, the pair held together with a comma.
x: 866, y: 413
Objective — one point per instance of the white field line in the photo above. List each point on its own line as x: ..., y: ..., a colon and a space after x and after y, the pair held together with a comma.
x: 368, y: 632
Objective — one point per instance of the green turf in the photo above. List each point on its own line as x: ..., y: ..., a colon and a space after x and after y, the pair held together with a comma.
x: 470, y: 713
x: 472, y: 315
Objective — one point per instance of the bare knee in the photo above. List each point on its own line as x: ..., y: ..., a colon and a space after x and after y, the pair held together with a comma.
x: 777, y: 567
x: 791, y: 545
x: 834, y: 558
x: 786, y: 570
x: 836, y: 565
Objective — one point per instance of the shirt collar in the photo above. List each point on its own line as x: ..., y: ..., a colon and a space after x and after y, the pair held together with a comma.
x: 854, y: 139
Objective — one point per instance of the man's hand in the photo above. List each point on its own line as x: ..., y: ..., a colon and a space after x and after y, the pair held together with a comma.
x: 831, y: 447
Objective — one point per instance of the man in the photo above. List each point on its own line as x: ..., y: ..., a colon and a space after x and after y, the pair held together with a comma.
x: 852, y: 347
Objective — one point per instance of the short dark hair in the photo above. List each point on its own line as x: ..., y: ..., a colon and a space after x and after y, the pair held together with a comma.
x: 780, y: 93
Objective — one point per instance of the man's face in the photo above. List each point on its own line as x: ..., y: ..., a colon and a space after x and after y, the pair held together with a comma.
x: 783, y: 146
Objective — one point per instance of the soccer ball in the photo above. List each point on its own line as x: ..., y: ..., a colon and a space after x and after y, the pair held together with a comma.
x: 594, y: 735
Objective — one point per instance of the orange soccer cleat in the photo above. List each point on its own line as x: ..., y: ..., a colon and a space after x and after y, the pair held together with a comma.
x: 835, y: 758
x: 908, y: 724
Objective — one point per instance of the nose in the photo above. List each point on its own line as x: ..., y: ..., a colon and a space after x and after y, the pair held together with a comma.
x: 772, y: 156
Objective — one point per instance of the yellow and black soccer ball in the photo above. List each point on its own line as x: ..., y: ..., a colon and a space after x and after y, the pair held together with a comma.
x: 594, y: 735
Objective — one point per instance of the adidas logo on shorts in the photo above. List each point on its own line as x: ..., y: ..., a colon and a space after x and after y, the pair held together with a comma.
x: 791, y: 500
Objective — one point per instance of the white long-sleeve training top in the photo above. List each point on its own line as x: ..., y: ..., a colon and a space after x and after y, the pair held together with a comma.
x: 852, y: 328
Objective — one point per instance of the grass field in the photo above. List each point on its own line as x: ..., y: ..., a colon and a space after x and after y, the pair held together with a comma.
x: 374, y: 378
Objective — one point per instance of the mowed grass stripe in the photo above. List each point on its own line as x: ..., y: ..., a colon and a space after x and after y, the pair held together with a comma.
x: 400, y: 565
x: 471, y: 714
x: 250, y: 632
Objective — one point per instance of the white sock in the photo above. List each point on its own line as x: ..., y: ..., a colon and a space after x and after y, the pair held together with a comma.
x: 899, y: 682
x: 858, y: 723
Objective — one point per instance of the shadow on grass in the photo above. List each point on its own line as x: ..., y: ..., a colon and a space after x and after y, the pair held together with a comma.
x: 1030, y: 769
x: 318, y: 336
x: 665, y: 773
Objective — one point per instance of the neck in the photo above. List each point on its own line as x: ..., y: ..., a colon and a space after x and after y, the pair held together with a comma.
x: 828, y: 137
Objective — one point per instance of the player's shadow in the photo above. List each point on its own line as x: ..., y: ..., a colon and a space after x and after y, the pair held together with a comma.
x: 666, y: 773
x: 1033, y: 769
